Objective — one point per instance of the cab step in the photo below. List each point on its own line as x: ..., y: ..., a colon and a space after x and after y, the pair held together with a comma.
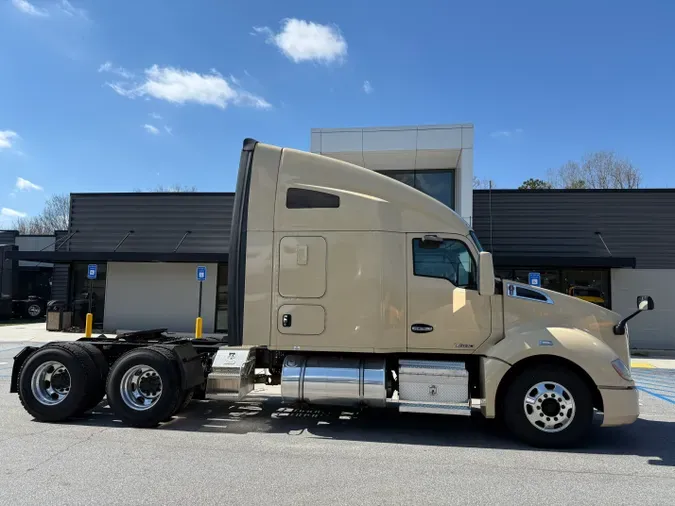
x: 435, y: 408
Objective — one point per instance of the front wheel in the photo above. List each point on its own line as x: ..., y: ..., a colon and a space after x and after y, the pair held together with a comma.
x: 548, y: 406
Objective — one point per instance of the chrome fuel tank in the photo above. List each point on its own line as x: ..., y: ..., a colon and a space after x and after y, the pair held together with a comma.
x: 334, y: 381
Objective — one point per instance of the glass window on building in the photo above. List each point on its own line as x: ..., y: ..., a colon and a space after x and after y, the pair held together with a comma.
x: 590, y: 285
x: 439, y: 184
x: 221, y: 299
x: 80, y: 286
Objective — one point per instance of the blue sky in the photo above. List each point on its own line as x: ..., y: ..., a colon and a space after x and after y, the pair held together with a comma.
x: 117, y: 95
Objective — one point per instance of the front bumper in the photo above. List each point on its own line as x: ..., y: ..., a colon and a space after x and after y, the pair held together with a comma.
x: 621, y: 406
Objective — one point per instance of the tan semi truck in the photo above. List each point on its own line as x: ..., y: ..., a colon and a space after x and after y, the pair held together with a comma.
x: 354, y: 289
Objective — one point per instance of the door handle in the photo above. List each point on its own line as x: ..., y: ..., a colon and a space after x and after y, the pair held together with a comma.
x: 286, y: 320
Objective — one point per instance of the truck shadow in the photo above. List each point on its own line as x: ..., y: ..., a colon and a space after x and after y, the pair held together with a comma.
x: 645, y: 438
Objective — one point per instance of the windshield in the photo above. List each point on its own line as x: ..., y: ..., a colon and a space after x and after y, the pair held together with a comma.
x: 475, y: 240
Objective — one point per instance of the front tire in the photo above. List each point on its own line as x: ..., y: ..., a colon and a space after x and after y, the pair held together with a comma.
x: 548, y: 406
x: 143, y: 386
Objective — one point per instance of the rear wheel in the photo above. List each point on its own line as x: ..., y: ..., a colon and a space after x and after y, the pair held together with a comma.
x: 548, y: 406
x: 143, y: 386
x: 54, y: 382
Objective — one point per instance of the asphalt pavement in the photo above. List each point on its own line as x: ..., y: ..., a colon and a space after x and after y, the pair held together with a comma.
x: 219, y: 452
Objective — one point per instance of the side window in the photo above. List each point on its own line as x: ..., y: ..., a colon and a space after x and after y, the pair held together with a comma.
x: 449, y: 260
x: 299, y: 198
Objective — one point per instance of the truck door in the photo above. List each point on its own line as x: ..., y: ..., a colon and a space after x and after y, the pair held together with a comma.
x: 445, y: 311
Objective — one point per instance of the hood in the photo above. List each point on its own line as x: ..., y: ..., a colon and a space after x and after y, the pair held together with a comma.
x: 527, y: 308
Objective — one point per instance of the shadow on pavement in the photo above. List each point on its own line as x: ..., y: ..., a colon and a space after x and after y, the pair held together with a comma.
x: 646, y: 438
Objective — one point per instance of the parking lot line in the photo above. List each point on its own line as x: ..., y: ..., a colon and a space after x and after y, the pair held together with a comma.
x: 642, y: 365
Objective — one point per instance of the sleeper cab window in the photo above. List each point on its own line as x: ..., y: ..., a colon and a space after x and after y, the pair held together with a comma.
x: 449, y: 259
x: 302, y: 198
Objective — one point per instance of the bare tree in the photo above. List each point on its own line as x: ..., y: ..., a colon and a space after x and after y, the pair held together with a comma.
x: 54, y: 216
x: 483, y: 184
x: 600, y: 170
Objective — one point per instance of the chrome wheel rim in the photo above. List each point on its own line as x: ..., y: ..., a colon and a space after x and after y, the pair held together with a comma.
x: 50, y: 383
x: 549, y: 406
x: 141, y: 387
x: 34, y: 310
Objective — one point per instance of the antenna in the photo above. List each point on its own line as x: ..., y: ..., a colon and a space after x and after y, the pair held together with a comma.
x: 599, y: 234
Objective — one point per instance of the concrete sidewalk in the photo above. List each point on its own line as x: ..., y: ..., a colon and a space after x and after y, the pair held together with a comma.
x: 34, y: 332
x: 37, y: 333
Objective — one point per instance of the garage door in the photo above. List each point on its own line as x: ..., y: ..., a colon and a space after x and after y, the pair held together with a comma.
x: 157, y: 295
x: 655, y: 329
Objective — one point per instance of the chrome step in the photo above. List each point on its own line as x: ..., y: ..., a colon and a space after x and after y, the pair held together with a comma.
x: 461, y: 409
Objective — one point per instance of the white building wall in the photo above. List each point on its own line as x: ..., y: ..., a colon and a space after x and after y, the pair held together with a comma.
x: 158, y: 295
x: 406, y: 148
x: 652, y: 329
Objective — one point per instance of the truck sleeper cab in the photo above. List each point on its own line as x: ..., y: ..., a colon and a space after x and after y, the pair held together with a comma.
x: 355, y: 289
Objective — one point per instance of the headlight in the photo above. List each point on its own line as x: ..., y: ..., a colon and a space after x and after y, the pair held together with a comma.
x: 622, y: 369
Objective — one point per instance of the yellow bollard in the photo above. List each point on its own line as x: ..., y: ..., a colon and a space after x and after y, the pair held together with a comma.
x: 198, y: 327
x: 89, y: 325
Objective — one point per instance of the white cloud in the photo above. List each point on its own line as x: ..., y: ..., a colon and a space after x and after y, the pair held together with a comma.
x: 11, y: 213
x: 182, y: 86
x: 68, y: 9
x: 25, y: 185
x: 302, y: 40
x: 367, y: 87
x: 28, y: 8
x: 151, y: 129
x: 120, y: 71
x: 506, y: 133
x: 154, y: 115
x: 6, y: 137
x: 168, y: 130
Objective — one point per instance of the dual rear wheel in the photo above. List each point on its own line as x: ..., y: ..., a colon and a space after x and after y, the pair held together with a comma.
x: 64, y: 380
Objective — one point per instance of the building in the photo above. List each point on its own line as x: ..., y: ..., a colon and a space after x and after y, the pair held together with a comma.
x: 608, y: 246
x: 20, y: 280
x: 437, y: 160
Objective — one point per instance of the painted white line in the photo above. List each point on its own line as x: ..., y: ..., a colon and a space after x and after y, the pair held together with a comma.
x: 4, y: 363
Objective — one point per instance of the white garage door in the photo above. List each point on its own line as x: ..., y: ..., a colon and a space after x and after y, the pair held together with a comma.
x: 654, y: 329
x: 157, y: 295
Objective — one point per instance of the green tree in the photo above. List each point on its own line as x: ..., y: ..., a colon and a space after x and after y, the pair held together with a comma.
x: 535, y: 184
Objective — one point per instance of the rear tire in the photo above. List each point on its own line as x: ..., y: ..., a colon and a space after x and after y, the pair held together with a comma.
x: 143, y: 386
x: 548, y: 406
x: 97, y: 388
x: 55, y: 382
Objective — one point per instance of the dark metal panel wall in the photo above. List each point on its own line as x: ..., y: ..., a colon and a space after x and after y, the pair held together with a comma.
x: 61, y: 272
x: 638, y: 224
x: 159, y: 221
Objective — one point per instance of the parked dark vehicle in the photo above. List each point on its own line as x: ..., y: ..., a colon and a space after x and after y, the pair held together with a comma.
x: 32, y: 307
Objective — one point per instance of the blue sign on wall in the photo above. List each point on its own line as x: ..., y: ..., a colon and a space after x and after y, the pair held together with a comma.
x: 535, y: 279
x: 201, y: 273
x: 92, y: 271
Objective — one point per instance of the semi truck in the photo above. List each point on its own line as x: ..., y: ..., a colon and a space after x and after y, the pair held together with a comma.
x: 353, y: 289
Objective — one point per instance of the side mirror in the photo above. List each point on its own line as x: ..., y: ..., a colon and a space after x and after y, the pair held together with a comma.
x: 431, y: 242
x: 645, y: 303
x: 486, y: 274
